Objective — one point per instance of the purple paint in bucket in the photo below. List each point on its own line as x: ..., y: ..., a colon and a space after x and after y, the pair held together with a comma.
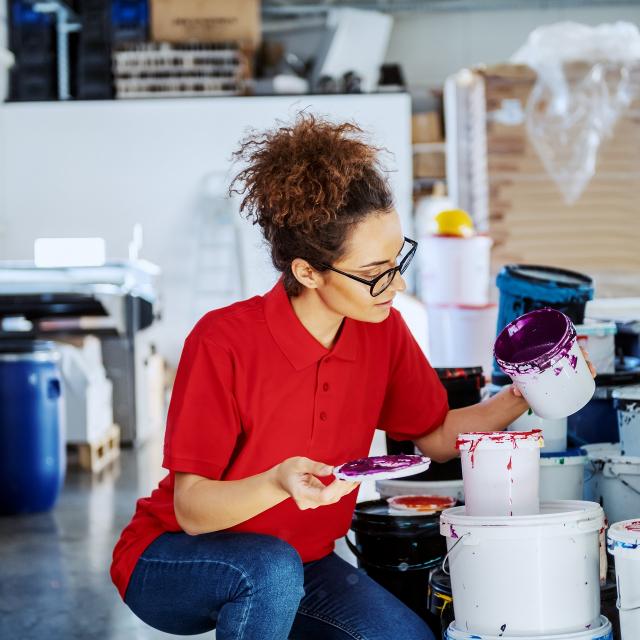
x: 539, y: 351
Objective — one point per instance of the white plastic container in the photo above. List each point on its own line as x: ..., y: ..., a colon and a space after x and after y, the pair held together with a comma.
x: 598, y: 338
x: 400, y: 487
x: 462, y: 335
x: 554, y: 432
x: 455, y: 270
x: 562, y: 475
x: 613, y: 480
x: 603, y: 631
x: 626, y: 400
x: 623, y: 542
x: 501, y: 472
x: 526, y: 575
x: 540, y: 353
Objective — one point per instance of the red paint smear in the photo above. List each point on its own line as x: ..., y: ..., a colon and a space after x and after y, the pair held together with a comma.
x: 633, y: 526
x: 510, y: 463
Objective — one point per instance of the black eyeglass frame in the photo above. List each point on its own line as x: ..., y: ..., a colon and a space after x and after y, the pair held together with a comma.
x: 402, y: 267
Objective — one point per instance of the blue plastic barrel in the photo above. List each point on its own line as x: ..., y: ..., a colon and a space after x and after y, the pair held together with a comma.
x: 32, y: 444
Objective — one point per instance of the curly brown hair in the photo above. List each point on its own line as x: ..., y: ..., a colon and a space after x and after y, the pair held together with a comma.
x: 307, y: 185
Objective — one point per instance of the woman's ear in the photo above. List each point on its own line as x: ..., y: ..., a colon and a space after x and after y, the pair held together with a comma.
x: 305, y: 274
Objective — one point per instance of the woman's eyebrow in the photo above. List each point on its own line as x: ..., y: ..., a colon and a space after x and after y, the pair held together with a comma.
x: 381, y: 262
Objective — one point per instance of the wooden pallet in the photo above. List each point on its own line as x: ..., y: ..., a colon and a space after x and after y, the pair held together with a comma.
x: 96, y: 456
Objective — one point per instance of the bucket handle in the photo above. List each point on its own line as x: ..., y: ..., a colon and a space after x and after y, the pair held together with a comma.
x: 624, y: 482
x: 429, y: 564
x: 455, y: 544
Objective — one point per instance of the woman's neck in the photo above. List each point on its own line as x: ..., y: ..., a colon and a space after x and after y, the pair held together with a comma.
x: 322, y: 323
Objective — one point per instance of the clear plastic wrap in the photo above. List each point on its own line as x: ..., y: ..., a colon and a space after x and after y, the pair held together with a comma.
x: 582, y: 88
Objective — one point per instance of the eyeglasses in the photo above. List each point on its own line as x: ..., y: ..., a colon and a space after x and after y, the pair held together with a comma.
x: 381, y: 283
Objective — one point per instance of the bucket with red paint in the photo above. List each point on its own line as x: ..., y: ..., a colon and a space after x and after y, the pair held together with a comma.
x: 539, y: 351
x: 501, y: 472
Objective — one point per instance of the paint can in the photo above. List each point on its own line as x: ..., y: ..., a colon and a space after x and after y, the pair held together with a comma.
x: 603, y: 631
x: 501, y: 472
x: 526, y: 575
x: 626, y: 402
x: 554, y: 432
x: 562, y: 475
x: 623, y: 542
x: 398, y: 551
x: 455, y: 269
x: 540, y: 353
x: 440, y: 602
x: 613, y: 480
x: 408, y: 487
x: 598, y: 338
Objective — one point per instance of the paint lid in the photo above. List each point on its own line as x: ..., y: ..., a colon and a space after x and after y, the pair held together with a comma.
x: 624, y: 535
x: 563, y: 458
x: 627, y: 393
x: 500, y: 440
x: 596, y: 329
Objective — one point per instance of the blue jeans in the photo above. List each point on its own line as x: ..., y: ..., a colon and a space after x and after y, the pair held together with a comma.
x: 254, y: 587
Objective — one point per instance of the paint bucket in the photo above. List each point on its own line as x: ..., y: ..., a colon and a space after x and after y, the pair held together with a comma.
x: 598, y: 338
x: 455, y: 270
x: 554, y: 432
x: 603, y: 631
x: 540, y: 353
x: 440, y: 602
x: 526, y: 575
x: 397, y: 551
x: 608, y: 602
x: 623, y: 542
x: 562, y: 475
x: 525, y: 288
x: 626, y: 402
x: 408, y: 487
x: 613, y: 480
x: 501, y: 472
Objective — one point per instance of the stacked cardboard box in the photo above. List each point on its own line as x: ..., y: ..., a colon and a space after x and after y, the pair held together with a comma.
x: 527, y: 215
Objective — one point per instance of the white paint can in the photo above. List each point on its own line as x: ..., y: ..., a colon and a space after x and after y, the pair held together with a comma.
x: 540, y: 353
x: 626, y: 401
x: 501, y: 472
x: 554, y: 432
x: 603, y: 631
x: 613, y: 480
x: 526, y: 575
x: 623, y: 542
x: 404, y: 487
x: 562, y: 475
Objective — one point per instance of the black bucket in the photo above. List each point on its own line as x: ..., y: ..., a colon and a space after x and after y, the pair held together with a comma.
x: 440, y: 602
x: 398, y: 552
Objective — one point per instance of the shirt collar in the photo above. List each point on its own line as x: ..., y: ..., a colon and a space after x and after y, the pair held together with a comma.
x: 297, y: 344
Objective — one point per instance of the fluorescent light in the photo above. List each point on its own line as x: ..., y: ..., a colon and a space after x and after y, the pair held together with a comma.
x: 69, y: 252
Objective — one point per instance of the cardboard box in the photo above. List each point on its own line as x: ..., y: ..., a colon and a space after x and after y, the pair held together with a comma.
x: 429, y: 165
x: 184, y: 21
x: 426, y: 127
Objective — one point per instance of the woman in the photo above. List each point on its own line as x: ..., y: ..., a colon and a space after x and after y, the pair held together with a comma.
x: 274, y: 391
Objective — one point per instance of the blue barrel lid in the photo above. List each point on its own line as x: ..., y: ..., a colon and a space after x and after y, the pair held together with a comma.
x: 569, y: 453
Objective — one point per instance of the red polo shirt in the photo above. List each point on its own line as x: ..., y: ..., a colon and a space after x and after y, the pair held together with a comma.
x: 254, y: 388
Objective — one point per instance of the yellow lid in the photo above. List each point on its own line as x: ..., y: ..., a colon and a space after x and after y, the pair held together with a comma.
x: 454, y: 222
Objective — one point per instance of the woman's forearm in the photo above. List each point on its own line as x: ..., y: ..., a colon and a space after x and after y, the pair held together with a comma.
x: 494, y: 414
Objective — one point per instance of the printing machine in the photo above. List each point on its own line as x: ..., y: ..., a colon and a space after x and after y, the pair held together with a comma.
x: 116, y: 302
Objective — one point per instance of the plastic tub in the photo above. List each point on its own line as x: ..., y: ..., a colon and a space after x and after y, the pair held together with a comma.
x: 562, y: 475
x: 626, y: 402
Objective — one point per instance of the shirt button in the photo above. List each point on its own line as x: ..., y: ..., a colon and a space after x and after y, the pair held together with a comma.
x: 323, y: 416
x: 325, y: 386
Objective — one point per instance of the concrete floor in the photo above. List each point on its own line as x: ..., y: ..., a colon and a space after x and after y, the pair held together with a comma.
x: 54, y: 567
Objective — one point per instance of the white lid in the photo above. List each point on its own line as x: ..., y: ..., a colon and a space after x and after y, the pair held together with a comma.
x: 631, y: 392
x: 500, y: 440
x: 625, y: 534
x: 609, y: 452
x: 594, y: 328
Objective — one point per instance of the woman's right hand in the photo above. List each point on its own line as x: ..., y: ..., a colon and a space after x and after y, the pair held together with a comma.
x: 297, y: 476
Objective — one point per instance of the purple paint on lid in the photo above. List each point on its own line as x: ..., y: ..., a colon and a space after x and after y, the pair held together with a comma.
x: 380, y: 464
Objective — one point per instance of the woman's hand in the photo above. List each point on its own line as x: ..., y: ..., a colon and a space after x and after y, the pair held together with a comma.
x: 297, y: 476
x: 585, y: 353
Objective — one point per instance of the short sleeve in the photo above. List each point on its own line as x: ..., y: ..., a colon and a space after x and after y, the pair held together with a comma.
x: 203, y: 422
x: 415, y: 400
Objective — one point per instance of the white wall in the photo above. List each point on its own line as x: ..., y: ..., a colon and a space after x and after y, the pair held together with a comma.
x: 96, y: 168
x: 431, y: 46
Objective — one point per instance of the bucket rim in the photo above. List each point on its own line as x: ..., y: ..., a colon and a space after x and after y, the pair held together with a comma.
x: 582, y: 281
x: 624, y: 535
x: 570, y: 457
x: 631, y: 392
x: 609, y: 453
x: 494, y: 439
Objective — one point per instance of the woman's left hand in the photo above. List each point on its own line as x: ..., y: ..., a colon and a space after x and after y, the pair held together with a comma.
x: 585, y: 353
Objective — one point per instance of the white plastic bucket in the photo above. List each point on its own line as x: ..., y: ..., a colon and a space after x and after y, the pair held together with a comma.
x: 455, y: 270
x: 626, y: 401
x: 603, y: 631
x: 526, y: 575
x: 623, y: 542
x: 562, y: 475
x: 554, y: 432
x: 400, y: 487
x: 598, y: 338
x: 540, y: 353
x: 613, y: 480
x: 462, y: 336
x: 501, y: 472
